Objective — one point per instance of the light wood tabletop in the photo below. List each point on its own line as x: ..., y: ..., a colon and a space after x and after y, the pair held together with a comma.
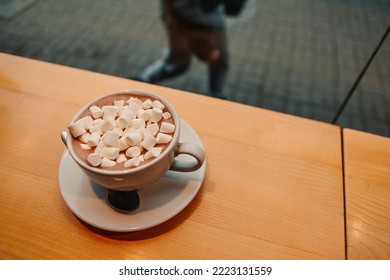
x: 367, y: 195
x: 273, y: 187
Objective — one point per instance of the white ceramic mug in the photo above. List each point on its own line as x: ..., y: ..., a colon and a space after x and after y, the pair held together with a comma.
x: 137, y: 178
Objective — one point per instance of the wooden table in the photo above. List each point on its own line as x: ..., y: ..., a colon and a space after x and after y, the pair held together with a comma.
x: 273, y: 187
x: 367, y: 195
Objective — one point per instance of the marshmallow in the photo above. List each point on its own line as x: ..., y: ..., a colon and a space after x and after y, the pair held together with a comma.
x: 86, y: 122
x: 96, y: 112
x: 141, y: 158
x: 121, y: 109
x: 135, y: 103
x: 148, y: 142
x: 153, y: 153
x: 110, y: 112
x: 96, y: 128
x: 133, y: 108
x: 133, y: 112
x: 94, y: 159
x: 85, y: 146
x: 156, y: 114
x: 153, y: 129
x: 158, y: 104
x: 119, y: 103
x: 133, y: 152
x: 76, y: 129
x: 84, y: 138
x: 108, y: 124
x: 167, y: 127
x: 133, y: 138
x: 166, y: 115
x: 129, y: 130
x: 124, y: 119
x: 142, y: 114
x: 121, y: 158
x: 163, y: 138
x: 147, y: 104
x: 93, y: 139
x: 143, y: 132
x: 107, y: 162
x: 134, y: 162
x: 122, y: 144
x: 138, y: 123
x: 109, y: 152
x: 97, y: 121
x: 110, y: 138
x: 149, y: 122
x: 118, y: 131
x: 99, y: 147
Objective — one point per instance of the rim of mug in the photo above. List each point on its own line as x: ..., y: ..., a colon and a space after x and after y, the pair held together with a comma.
x: 155, y: 96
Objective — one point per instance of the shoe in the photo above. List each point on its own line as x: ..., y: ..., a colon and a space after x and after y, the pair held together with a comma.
x: 159, y: 71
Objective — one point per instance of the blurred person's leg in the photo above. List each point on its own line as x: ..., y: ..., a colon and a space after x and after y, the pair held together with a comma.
x: 177, y: 58
x: 217, y: 77
x: 210, y: 46
x: 218, y: 65
x: 207, y: 42
x: 202, y: 25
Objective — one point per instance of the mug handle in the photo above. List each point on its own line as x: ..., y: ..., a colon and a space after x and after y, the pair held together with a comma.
x: 191, y: 149
x: 63, y: 137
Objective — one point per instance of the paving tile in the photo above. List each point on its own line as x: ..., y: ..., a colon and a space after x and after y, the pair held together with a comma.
x: 9, y: 8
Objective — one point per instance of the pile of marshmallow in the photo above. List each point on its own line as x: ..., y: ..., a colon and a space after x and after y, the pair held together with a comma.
x: 126, y: 132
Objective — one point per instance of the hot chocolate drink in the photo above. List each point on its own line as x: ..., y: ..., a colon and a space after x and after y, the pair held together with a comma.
x: 122, y: 131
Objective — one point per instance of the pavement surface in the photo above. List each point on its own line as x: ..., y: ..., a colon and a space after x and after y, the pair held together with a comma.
x: 298, y: 57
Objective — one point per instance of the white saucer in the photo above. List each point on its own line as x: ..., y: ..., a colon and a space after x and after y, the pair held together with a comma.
x: 159, y: 202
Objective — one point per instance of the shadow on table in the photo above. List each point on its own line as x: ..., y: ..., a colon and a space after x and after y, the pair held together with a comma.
x: 156, y: 230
